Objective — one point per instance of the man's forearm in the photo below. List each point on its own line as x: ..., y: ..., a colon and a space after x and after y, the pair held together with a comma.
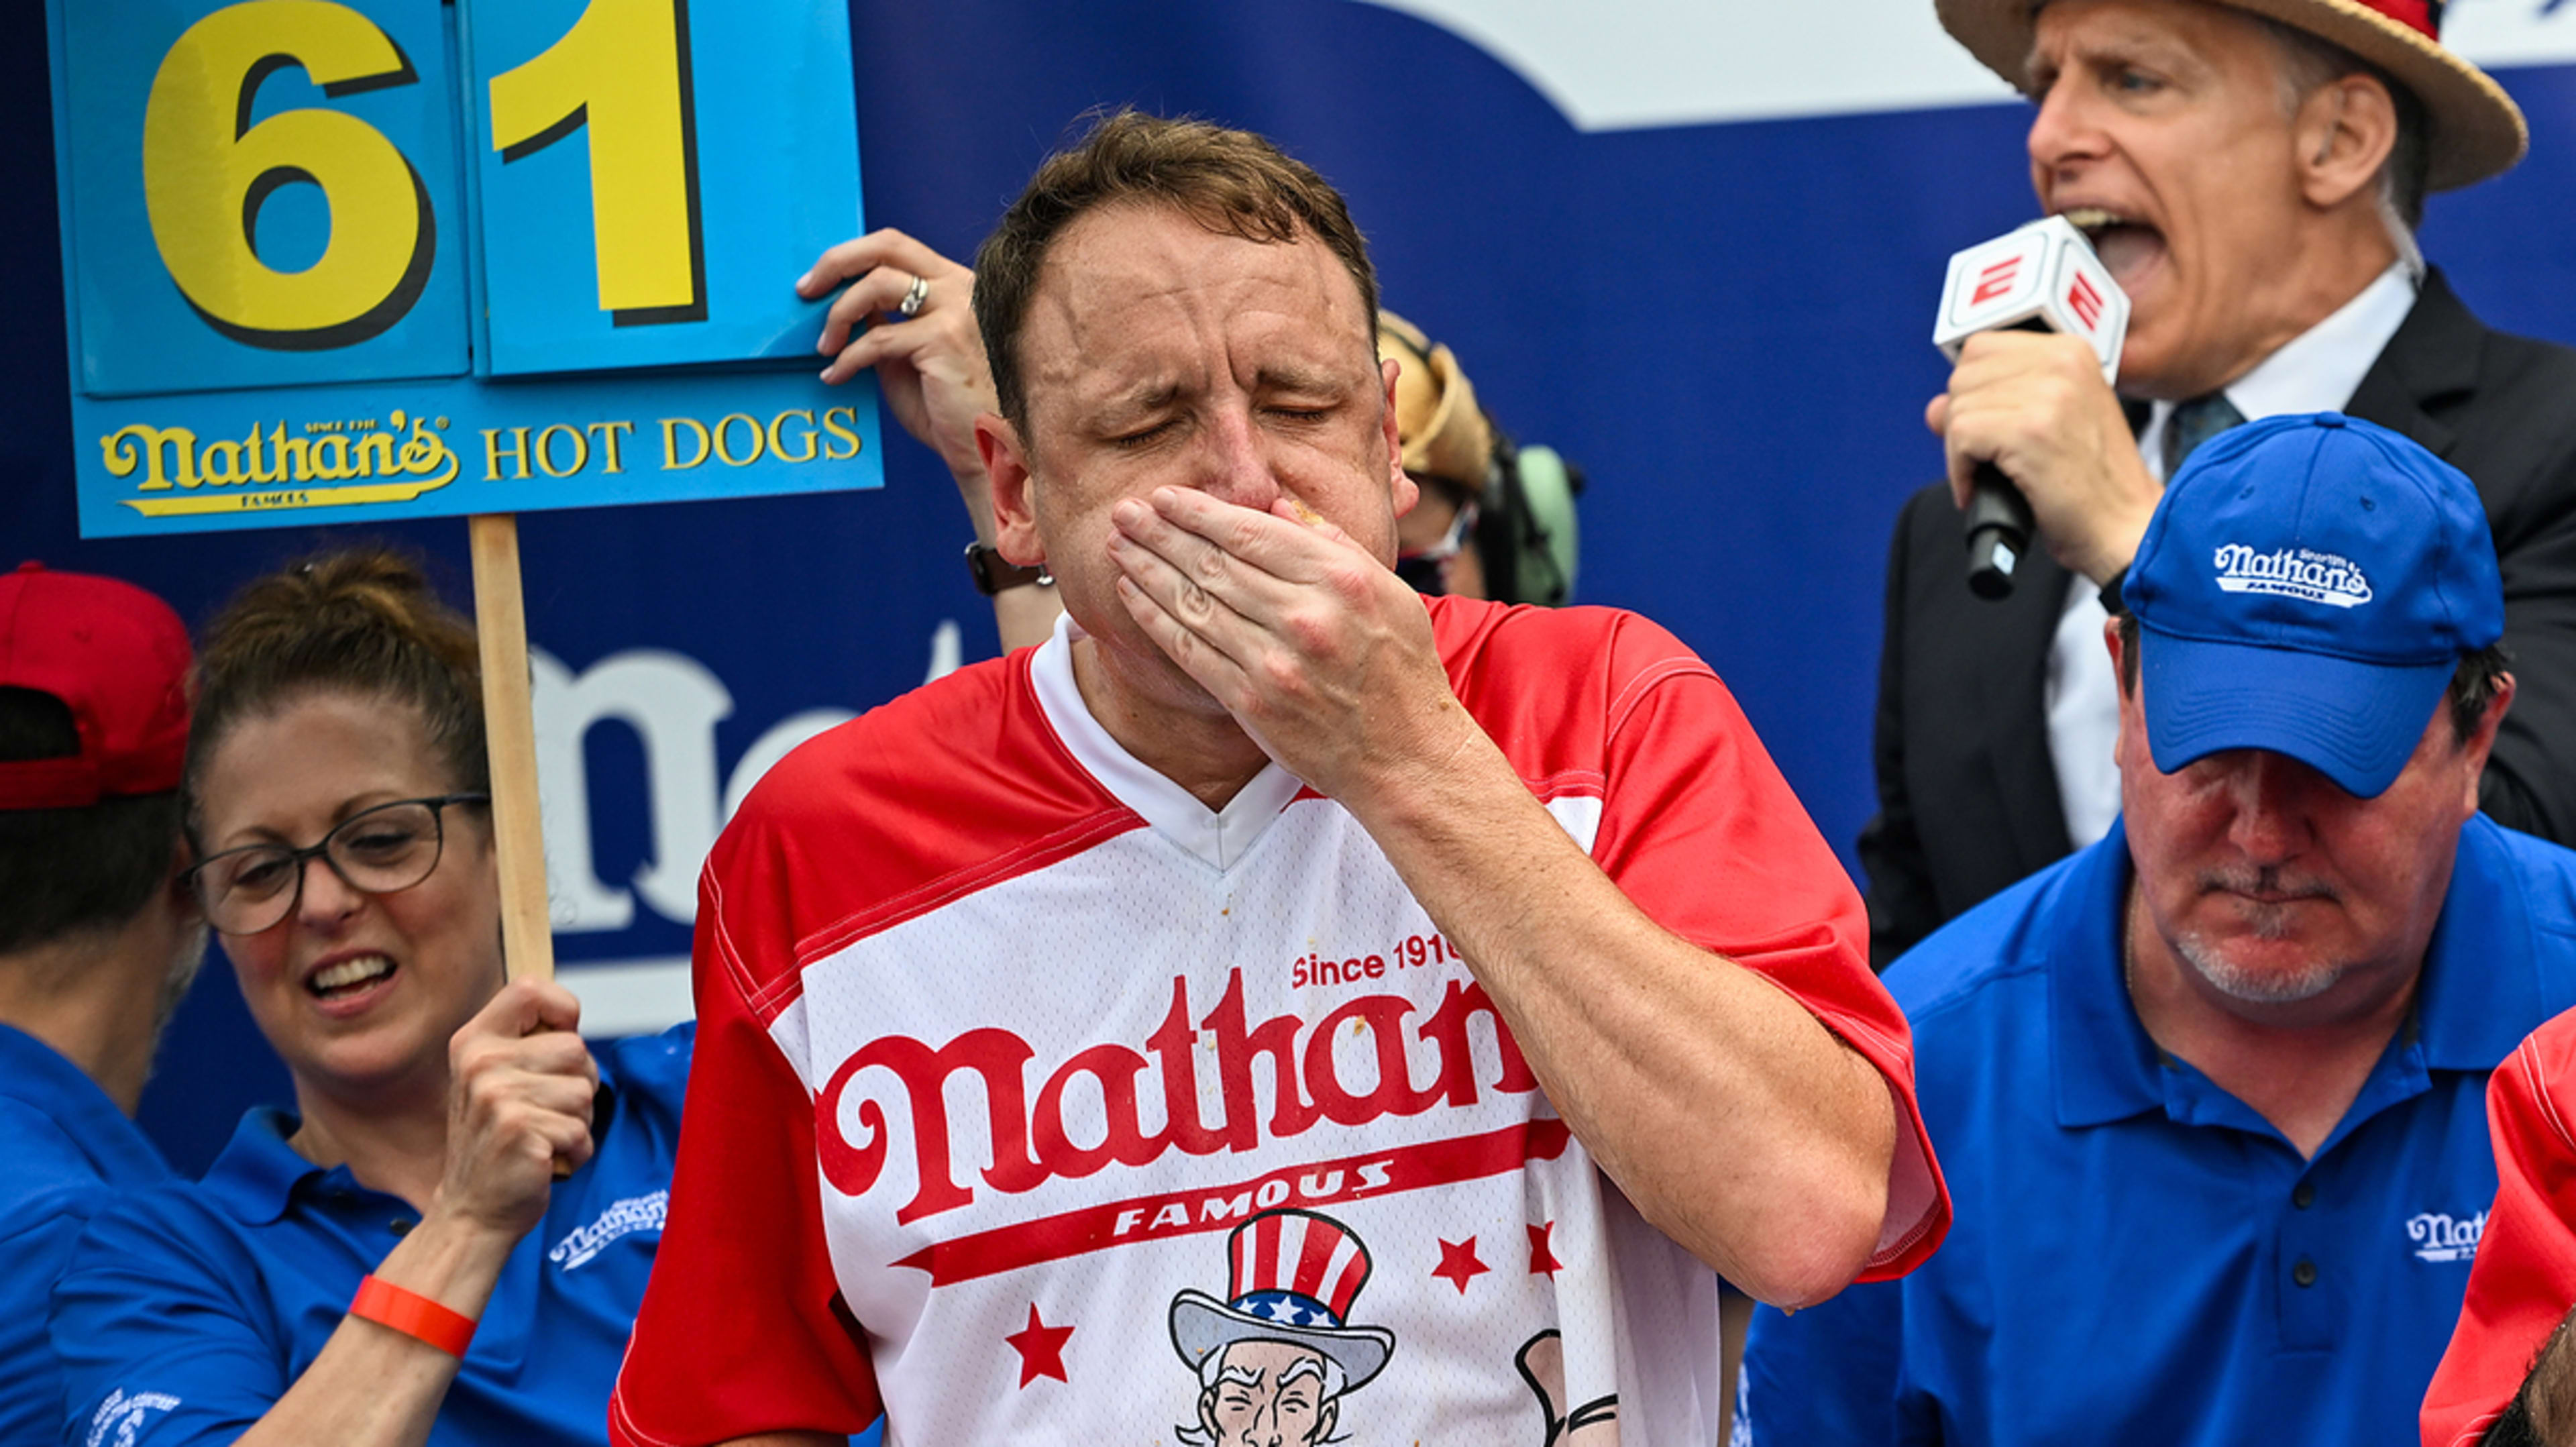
x: 1735, y: 1121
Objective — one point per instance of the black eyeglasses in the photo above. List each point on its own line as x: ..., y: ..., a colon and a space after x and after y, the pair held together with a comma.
x: 374, y: 851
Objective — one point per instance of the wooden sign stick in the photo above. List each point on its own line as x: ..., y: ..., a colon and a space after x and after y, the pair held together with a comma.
x: 509, y: 722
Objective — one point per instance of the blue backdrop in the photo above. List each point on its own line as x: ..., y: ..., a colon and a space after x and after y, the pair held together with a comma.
x: 1726, y: 324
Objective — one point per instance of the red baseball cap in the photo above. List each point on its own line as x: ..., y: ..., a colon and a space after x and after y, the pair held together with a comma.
x: 118, y: 659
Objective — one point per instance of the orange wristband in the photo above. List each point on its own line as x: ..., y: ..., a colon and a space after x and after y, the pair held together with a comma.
x: 414, y: 1315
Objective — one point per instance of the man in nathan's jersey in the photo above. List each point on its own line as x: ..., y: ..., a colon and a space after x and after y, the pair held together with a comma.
x: 1013, y: 995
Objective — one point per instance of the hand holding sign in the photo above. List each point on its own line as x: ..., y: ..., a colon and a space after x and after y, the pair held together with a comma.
x: 929, y: 360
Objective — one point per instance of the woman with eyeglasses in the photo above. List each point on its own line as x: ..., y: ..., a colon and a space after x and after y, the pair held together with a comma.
x: 395, y: 1261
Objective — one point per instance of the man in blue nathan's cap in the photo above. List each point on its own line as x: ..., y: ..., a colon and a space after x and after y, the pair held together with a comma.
x: 2211, y: 1092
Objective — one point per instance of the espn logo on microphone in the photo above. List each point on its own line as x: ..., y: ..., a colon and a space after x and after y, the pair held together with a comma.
x: 2084, y: 302
x: 2043, y: 276
x: 1996, y: 281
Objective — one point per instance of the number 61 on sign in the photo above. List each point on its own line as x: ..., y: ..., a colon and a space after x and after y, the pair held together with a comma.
x: 289, y: 222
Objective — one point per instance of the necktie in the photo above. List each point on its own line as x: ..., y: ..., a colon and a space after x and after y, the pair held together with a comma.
x: 2193, y: 423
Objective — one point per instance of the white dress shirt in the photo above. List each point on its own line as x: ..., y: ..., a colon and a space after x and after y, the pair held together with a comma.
x: 2317, y: 371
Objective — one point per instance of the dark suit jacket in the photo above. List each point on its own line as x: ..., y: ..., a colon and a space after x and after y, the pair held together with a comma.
x: 1967, y: 796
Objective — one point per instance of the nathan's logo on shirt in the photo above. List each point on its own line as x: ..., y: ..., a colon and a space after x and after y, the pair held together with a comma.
x: 635, y: 1213
x: 2441, y: 1238
x: 1033, y: 1141
x: 2292, y: 573
x: 120, y: 1418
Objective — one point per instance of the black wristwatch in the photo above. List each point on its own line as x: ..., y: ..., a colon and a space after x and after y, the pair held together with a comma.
x: 993, y: 574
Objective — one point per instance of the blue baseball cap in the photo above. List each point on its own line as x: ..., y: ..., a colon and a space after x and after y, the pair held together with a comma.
x: 2308, y: 585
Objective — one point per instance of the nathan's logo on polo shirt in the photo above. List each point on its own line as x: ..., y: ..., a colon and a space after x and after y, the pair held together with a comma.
x: 2438, y: 1237
x: 2292, y: 573
x: 635, y: 1213
x: 121, y: 1418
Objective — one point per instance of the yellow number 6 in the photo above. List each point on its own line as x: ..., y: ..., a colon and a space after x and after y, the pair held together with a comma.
x: 206, y: 172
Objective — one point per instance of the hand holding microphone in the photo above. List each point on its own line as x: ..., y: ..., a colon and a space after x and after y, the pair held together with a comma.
x: 2030, y: 423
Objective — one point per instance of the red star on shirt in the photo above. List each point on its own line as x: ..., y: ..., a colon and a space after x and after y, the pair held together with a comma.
x: 1041, y: 1349
x: 1543, y: 1261
x: 1458, y: 1263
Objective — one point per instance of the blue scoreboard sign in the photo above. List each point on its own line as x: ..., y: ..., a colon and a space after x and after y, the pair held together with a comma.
x: 332, y: 261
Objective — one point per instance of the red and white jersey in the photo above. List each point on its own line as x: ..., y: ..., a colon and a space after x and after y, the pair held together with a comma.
x: 2525, y: 1278
x: 1036, y: 1101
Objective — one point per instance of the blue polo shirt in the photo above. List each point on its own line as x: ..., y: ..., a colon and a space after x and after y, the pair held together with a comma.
x: 2138, y: 1257
x: 188, y: 1310
x: 68, y: 1152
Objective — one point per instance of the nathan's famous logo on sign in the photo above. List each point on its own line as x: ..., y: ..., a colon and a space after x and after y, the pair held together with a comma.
x: 281, y: 465
x: 173, y: 472
x: 284, y: 183
x: 2292, y: 573
x: 737, y: 439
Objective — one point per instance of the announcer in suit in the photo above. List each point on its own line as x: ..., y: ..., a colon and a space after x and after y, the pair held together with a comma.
x: 2253, y: 173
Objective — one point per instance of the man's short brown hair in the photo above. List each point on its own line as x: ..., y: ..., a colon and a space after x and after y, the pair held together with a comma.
x: 1232, y: 182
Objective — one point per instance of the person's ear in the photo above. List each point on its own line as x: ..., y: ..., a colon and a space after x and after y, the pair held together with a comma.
x: 1008, y: 467
x: 2342, y: 134
x: 2125, y: 670
x: 184, y: 904
x: 1406, y: 492
x: 2481, y: 741
x: 2118, y: 646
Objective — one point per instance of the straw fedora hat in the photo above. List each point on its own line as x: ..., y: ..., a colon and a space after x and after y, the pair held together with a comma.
x: 1444, y: 432
x: 2477, y: 130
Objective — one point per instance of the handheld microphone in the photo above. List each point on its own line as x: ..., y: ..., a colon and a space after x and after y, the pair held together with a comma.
x: 2043, y: 277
